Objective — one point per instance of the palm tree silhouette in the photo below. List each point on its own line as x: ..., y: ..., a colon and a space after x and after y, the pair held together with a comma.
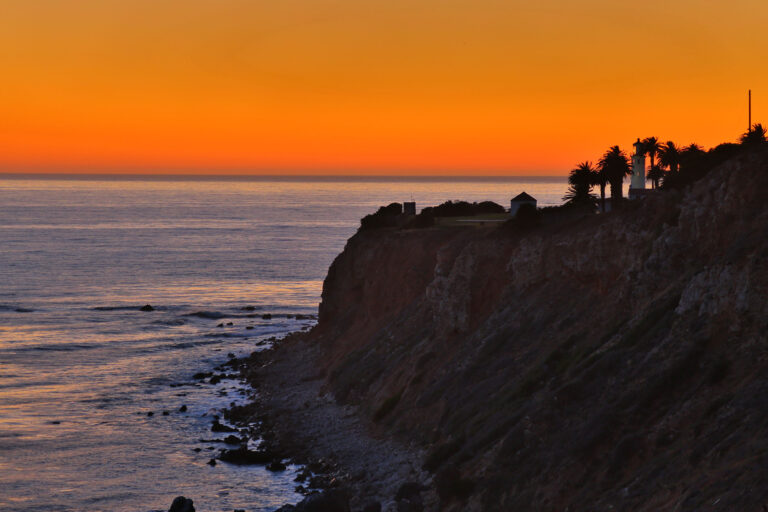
x: 669, y: 157
x: 614, y: 166
x: 651, y: 147
x: 755, y: 136
x: 581, y: 180
x: 655, y: 174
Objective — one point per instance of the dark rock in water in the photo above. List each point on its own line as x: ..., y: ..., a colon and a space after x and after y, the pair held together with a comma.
x: 230, y: 323
x: 276, y: 466
x: 303, y: 475
x: 212, y: 462
x: 230, y: 355
x: 147, y: 307
x: 215, y: 379
x: 219, y: 427
x: 286, y: 508
x: 233, y: 440
x: 198, y: 450
x: 334, y: 500
x: 201, y: 375
x: 166, y: 413
x: 249, y: 327
x: 220, y: 325
x: 266, y: 316
x: 55, y: 422
x: 24, y: 310
x: 372, y: 506
x: 247, y: 308
x: 182, y: 504
x: 243, y: 456
x: 183, y: 408
x: 150, y: 413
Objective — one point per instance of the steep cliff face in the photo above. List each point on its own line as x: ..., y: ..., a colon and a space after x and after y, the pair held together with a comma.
x: 612, y: 362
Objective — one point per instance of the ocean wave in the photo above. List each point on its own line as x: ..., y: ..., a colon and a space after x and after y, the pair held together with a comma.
x: 15, y: 309
x: 212, y: 315
x: 58, y: 347
x: 116, y: 308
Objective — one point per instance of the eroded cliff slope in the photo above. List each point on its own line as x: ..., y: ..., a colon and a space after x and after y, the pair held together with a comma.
x: 615, y: 362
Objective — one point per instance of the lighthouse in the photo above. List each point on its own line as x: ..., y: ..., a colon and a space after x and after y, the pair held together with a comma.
x: 637, y: 184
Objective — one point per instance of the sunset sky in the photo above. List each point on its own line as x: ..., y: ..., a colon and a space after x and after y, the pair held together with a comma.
x: 369, y: 86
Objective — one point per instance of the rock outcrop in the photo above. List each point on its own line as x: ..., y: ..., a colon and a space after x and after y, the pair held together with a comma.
x: 614, y: 362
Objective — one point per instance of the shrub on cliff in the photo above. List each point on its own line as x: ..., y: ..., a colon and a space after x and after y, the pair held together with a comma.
x: 463, y: 209
x: 422, y: 220
x: 385, y: 217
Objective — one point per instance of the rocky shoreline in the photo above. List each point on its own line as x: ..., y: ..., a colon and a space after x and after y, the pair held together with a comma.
x: 345, y: 466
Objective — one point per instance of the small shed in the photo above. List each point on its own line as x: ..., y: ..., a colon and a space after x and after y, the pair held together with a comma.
x: 519, y: 200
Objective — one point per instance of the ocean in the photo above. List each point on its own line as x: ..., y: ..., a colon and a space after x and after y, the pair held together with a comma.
x: 81, y: 367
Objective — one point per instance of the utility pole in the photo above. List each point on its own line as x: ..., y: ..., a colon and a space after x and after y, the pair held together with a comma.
x: 749, y: 128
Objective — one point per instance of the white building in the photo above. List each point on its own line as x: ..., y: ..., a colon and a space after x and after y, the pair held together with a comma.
x: 637, y: 184
x: 518, y: 201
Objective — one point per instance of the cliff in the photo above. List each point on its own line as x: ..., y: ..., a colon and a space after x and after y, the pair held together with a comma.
x: 613, y: 362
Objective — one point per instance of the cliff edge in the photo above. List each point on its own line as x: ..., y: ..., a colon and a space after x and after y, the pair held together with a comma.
x: 613, y: 362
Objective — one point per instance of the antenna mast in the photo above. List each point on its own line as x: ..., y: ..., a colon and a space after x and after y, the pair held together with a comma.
x: 749, y: 128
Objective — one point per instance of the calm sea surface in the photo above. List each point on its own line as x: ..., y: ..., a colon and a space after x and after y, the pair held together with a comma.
x: 81, y: 366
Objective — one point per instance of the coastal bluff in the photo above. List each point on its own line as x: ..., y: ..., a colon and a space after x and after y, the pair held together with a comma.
x: 603, y: 362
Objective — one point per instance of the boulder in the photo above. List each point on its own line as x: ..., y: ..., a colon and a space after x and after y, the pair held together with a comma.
x: 182, y: 504
x: 147, y: 307
x: 243, y: 456
x: 333, y: 500
x: 275, y: 466
x: 220, y: 427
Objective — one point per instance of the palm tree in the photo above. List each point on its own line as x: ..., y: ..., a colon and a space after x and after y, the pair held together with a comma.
x: 601, y: 179
x: 655, y: 174
x: 651, y: 146
x: 669, y: 156
x: 614, y: 166
x: 754, y: 136
x: 580, y: 181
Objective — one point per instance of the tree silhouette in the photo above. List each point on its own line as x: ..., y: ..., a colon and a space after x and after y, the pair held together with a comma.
x: 655, y: 174
x: 651, y: 147
x: 755, y: 136
x: 614, y: 166
x: 580, y: 182
x: 669, y: 157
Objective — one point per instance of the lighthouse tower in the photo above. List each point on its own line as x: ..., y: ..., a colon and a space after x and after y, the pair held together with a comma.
x: 637, y: 185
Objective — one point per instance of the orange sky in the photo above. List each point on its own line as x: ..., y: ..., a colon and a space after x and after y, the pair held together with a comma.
x: 368, y: 86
